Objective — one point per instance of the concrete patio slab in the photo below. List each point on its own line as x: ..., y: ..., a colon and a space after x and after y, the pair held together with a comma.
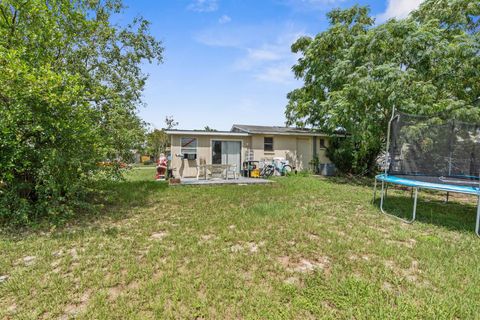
x: 220, y: 181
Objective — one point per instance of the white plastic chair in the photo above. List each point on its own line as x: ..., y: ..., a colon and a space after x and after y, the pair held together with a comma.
x: 231, y: 169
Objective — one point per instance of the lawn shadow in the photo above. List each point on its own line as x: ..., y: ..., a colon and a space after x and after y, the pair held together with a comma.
x: 113, y: 199
x: 452, y: 215
x: 352, y: 180
x: 118, y: 199
x: 131, y: 193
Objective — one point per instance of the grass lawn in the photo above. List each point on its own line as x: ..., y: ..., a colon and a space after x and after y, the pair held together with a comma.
x: 302, y: 247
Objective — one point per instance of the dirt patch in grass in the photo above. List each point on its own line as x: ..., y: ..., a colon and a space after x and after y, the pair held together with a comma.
x: 252, y: 247
x: 159, y: 235
x: 293, y: 281
x: 303, y: 265
x: 312, y: 236
x: 115, y: 291
x: 26, y: 261
x: 73, y: 253
x: 249, y: 247
x: 411, y: 274
x: 409, y: 243
x: 236, y: 248
x: 207, y: 238
x: 73, y: 309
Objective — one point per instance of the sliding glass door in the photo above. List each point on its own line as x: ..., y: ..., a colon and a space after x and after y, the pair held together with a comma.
x: 226, y: 152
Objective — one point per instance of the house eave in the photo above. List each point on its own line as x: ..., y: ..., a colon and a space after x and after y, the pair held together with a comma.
x: 303, y: 134
x: 207, y: 133
x: 245, y: 134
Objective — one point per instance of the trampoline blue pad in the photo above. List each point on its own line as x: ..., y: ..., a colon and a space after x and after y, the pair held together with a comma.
x: 416, y: 182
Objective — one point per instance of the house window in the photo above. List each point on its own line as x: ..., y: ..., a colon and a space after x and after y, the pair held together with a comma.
x: 322, y: 144
x: 189, y: 145
x: 268, y: 144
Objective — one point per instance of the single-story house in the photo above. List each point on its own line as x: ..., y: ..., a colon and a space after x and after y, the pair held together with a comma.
x: 190, y: 148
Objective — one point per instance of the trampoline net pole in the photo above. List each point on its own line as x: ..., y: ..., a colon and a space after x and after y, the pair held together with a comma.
x: 387, y: 149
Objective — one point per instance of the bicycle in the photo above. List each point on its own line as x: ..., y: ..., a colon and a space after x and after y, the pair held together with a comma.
x: 267, y: 170
x: 282, y: 167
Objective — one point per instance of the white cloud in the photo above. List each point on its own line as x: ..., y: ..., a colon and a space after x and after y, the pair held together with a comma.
x: 265, y: 54
x: 221, y: 37
x: 398, y: 9
x: 261, y: 55
x: 264, y: 49
x: 236, y: 36
x: 281, y: 73
x: 224, y: 19
x: 203, y: 5
x: 272, y: 61
x: 311, y: 4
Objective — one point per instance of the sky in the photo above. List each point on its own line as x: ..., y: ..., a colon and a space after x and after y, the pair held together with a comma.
x: 229, y: 61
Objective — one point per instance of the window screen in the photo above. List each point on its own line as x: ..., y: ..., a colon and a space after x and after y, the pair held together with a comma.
x: 189, y: 145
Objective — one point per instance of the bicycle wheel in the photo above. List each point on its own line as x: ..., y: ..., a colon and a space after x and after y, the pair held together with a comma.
x: 268, y: 171
x: 287, y: 170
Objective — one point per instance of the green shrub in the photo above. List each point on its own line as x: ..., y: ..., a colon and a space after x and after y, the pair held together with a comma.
x: 68, y: 101
x: 315, y: 163
x: 304, y: 173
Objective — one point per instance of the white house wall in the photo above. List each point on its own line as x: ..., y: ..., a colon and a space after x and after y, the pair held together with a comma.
x: 284, y: 146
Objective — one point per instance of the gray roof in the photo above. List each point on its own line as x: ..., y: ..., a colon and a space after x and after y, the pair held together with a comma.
x: 205, y: 133
x: 274, y: 130
x: 247, y: 130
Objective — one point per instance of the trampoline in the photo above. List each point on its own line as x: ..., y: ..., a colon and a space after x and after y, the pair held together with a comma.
x: 431, y: 153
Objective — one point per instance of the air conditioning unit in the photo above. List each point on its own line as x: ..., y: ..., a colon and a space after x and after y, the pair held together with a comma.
x: 190, y: 156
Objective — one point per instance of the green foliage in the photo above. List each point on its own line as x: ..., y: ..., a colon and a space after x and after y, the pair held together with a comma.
x: 355, y: 73
x: 207, y: 128
x: 70, y: 86
x: 303, y: 173
x: 315, y: 163
x: 340, y: 151
x: 157, y: 140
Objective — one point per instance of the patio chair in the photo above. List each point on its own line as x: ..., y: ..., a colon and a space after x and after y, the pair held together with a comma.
x: 231, y: 170
x: 216, y: 171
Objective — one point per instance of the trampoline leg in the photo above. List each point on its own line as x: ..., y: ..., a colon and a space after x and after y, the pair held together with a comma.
x: 414, y: 212
x: 382, y: 194
x: 477, y: 223
x: 448, y: 194
x: 374, y: 191
x: 414, y: 207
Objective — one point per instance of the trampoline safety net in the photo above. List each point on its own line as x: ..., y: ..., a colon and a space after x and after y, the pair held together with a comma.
x: 434, y: 150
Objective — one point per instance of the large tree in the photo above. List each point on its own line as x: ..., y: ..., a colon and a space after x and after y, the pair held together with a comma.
x: 355, y: 72
x: 157, y: 141
x: 70, y: 86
